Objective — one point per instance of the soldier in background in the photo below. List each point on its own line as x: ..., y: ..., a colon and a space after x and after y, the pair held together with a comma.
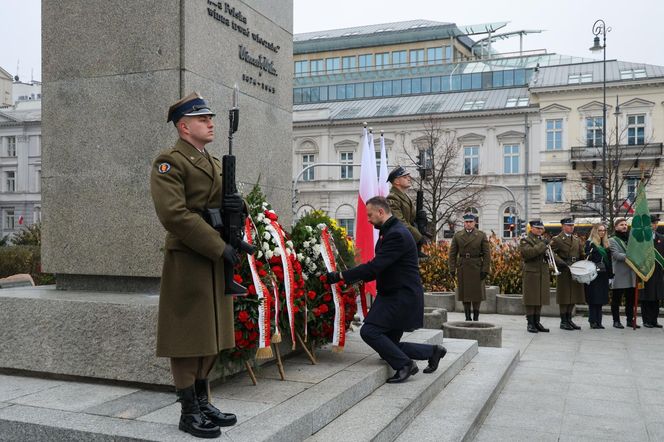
x: 567, y: 248
x: 536, y: 275
x: 402, y: 206
x: 469, y: 260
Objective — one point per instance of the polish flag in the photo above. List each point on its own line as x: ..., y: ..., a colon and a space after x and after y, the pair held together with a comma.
x: 20, y: 220
x: 627, y: 205
x: 364, y: 231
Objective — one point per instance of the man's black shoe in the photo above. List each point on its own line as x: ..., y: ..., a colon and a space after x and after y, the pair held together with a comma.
x: 648, y: 325
x: 404, y: 373
x: 439, y: 353
x: 617, y: 324
x: 658, y: 325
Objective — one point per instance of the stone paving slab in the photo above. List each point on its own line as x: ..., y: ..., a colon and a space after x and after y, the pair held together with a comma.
x: 12, y: 387
x: 73, y: 396
x: 133, y: 405
x: 383, y: 414
x: 456, y: 413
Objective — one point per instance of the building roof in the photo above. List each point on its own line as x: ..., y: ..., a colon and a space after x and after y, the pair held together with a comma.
x: 385, y: 34
x: 441, y: 103
x: 13, y: 115
x: 592, y: 72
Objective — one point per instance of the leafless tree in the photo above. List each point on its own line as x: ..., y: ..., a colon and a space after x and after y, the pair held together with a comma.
x: 447, y: 192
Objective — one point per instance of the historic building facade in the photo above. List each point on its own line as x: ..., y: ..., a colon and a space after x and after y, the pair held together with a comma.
x: 519, y: 121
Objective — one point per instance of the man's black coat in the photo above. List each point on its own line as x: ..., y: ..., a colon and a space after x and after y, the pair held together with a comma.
x: 399, y: 304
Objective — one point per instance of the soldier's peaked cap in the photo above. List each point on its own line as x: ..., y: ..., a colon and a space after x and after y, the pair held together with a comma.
x: 189, y: 106
x: 469, y: 217
x: 397, y: 173
x: 536, y: 223
x: 567, y: 221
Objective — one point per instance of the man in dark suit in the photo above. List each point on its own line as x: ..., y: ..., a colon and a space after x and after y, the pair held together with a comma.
x: 399, y: 305
x: 653, y: 291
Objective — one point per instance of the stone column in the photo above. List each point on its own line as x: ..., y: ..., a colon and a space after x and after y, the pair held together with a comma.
x: 110, y: 72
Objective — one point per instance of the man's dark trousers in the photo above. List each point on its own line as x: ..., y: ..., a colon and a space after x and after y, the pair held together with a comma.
x: 386, y: 343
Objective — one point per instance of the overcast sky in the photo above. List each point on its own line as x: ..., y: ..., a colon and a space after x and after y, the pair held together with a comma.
x: 636, y: 35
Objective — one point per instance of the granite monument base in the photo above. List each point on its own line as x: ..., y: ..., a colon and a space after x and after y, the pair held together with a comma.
x: 488, y: 305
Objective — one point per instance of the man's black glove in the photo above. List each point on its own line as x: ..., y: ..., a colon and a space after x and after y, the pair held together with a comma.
x: 230, y: 255
x: 333, y: 277
x: 483, y: 275
x: 232, y: 203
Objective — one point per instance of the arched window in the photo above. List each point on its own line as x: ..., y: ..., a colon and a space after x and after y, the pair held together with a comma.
x: 509, y: 222
x: 345, y: 216
x: 303, y: 210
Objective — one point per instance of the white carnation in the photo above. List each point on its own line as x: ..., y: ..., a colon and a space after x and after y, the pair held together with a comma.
x: 289, y: 243
x: 300, y: 257
x: 305, y: 244
x: 259, y: 254
x: 269, y: 254
x: 260, y: 217
x: 309, y: 229
x: 266, y: 235
x: 277, y: 252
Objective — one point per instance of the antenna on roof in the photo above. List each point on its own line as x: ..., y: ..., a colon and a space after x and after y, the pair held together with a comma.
x: 18, y: 61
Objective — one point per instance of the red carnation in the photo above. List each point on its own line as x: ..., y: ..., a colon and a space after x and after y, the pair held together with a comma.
x: 296, y: 309
x: 316, y: 312
x: 238, y: 335
x: 262, y: 273
x: 323, y: 308
x: 253, y: 336
x: 327, y: 297
x: 311, y: 295
x: 237, y: 279
x: 323, y: 278
x: 251, y: 289
x: 243, y: 316
x: 250, y: 325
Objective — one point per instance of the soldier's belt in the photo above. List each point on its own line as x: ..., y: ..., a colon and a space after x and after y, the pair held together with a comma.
x: 468, y: 255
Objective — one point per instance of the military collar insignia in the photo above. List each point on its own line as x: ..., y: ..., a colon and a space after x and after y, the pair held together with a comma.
x: 164, y: 168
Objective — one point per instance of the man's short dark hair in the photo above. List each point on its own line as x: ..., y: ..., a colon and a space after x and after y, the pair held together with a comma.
x: 380, y: 202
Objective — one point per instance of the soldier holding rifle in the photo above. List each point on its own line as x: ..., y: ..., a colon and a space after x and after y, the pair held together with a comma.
x: 195, y: 315
x: 403, y: 208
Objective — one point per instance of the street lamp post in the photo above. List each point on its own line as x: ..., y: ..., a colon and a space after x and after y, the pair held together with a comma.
x: 599, y: 28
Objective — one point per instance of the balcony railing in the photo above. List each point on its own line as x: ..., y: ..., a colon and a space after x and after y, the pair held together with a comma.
x: 626, y: 152
x: 585, y: 207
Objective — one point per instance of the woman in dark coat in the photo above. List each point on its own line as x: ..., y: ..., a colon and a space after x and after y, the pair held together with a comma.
x: 597, y: 292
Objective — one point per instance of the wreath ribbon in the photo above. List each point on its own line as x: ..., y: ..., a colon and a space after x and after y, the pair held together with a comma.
x: 339, y: 333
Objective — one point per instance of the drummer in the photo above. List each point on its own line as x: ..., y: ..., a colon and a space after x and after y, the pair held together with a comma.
x: 567, y: 249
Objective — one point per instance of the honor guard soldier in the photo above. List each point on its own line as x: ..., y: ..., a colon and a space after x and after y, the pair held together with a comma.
x: 401, y: 204
x: 195, y: 320
x: 469, y: 259
x: 536, y: 275
x: 567, y: 249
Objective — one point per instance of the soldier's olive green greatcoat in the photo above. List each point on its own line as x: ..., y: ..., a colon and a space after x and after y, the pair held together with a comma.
x: 195, y: 317
x: 567, y: 250
x: 536, y: 274
x: 470, y: 254
x: 403, y: 209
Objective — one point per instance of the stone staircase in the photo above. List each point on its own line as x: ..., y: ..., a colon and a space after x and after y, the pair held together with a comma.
x: 344, y: 396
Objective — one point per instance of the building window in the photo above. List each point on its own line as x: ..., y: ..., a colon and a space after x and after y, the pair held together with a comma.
x: 517, y: 102
x: 554, y: 191
x: 632, y: 185
x: 399, y: 58
x: 509, y: 222
x: 416, y: 57
x: 36, y: 215
x: 632, y: 74
x: 347, y: 168
x: 348, y: 224
x: 365, y: 61
x: 332, y: 65
x: 636, y: 128
x: 9, y: 218
x: 473, y: 105
x: 38, y: 176
x: 434, y: 55
x: 471, y: 160
x: 554, y: 134
x: 308, y: 160
x: 511, y: 158
x: 593, y: 190
x: 317, y: 67
x: 594, y: 131
x: 301, y: 68
x: 382, y: 60
x: 10, y: 181
x: 11, y: 146
x: 579, y: 78
x: 349, y: 63
x: 448, y: 53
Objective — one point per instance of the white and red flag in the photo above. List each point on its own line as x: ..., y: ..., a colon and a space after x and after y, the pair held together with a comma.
x: 364, y: 231
x: 383, y: 188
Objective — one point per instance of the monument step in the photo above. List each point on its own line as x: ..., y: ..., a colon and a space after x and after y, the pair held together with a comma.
x: 457, y: 413
x: 383, y: 414
x: 310, y: 398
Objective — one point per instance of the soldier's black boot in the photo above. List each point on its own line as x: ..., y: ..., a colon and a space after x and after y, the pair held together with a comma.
x: 192, y: 420
x: 539, y: 326
x: 531, y: 324
x: 564, y: 325
x: 209, y: 410
x: 476, y: 315
x: 569, y: 320
x: 466, y: 310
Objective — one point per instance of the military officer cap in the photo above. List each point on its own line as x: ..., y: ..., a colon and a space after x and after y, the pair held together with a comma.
x: 397, y: 173
x: 654, y: 218
x: 189, y: 106
x: 469, y: 217
x: 567, y: 221
x: 536, y: 223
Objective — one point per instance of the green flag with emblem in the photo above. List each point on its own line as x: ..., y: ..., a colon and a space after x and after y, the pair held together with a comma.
x: 640, y: 251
